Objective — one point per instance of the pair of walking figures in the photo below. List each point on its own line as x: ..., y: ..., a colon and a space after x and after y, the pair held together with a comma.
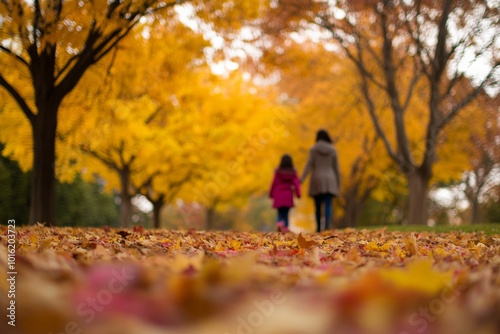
x: 323, y: 166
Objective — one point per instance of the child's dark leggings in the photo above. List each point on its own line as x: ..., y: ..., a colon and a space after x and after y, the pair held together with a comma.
x: 327, y: 200
x: 283, y: 215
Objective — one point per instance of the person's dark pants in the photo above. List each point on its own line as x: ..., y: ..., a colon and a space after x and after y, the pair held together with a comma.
x: 283, y: 215
x: 325, y: 199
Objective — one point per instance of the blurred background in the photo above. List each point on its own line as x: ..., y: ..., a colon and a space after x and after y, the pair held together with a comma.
x: 180, y: 121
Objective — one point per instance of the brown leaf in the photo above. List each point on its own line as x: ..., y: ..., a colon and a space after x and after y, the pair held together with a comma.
x: 303, y: 243
x: 123, y: 234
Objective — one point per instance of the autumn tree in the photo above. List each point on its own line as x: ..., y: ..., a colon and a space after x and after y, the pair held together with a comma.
x: 53, y: 43
x: 395, y: 45
x: 117, y: 147
x: 484, y: 157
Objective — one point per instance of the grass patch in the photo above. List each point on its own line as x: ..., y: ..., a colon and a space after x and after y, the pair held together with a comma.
x: 490, y: 229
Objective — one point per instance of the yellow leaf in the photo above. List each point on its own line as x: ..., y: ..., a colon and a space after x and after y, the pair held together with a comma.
x: 372, y: 247
x: 34, y: 239
x: 219, y: 247
x: 236, y: 245
x: 411, y: 245
x: 419, y: 276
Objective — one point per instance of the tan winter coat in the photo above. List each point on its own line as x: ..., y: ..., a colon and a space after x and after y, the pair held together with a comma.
x: 324, y: 166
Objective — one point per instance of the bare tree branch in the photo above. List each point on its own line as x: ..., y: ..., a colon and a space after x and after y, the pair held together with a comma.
x: 413, y: 83
x: 465, y: 101
x: 19, y: 99
x: 376, y: 122
x: 441, y: 55
x: 350, y: 55
x: 102, y: 158
x: 19, y: 58
x: 416, y: 35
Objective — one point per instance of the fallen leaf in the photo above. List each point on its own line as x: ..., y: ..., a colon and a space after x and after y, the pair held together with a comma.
x: 305, y: 244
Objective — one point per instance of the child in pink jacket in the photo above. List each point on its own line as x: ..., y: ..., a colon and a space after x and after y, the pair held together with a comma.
x: 285, y: 183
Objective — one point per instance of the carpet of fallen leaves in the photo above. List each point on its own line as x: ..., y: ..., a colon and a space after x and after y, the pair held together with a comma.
x: 73, y: 280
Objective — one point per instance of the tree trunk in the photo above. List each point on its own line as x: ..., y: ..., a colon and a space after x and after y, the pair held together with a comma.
x: 157, y: 206
x: 126, y: 198
x: 354, y: 204
x: 43, y: 191
x: 417, y: 201
x: 352, y: 210
x: 474, y: 213
x: 210, y: 217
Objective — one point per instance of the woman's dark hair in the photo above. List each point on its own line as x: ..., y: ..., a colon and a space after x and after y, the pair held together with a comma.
x: 323, y: 135
x: 286, y: 162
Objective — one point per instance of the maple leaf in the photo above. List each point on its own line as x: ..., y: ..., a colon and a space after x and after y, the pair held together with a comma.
x: 305, y: 244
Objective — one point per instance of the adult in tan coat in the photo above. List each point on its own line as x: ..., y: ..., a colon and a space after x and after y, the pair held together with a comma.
x: 325, y: 176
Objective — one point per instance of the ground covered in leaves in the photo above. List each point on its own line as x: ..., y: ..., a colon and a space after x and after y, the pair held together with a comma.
x: 71, y: 280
